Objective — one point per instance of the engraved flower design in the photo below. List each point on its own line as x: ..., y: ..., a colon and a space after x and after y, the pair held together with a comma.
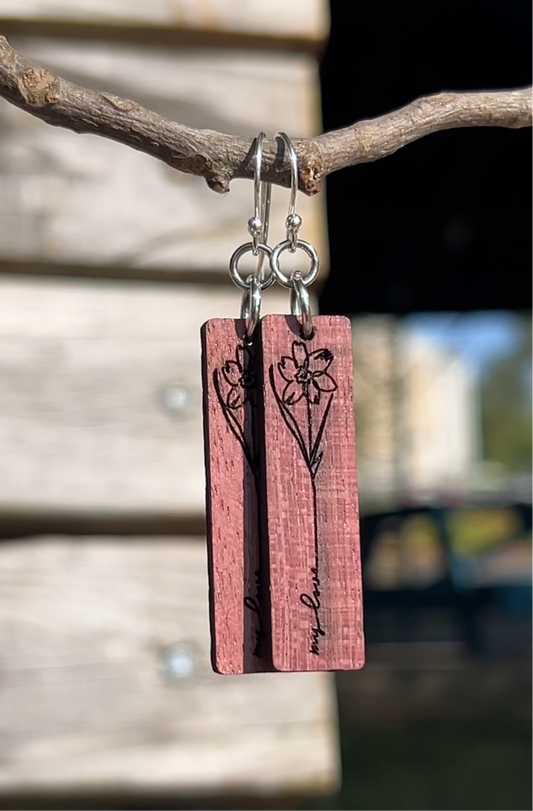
x: 306, y: 374
x: 237, y: 373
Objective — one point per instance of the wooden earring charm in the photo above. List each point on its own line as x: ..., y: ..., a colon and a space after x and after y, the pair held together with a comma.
x: 310, y: 486
x: 232, y: 411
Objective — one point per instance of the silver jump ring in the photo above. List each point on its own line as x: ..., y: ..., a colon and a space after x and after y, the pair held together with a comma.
x: 251, y: 305
x: 258, y: 225
x: 236, y: 277
x: 282, y: 278
x: 293, y: 221
x: 301, y: 303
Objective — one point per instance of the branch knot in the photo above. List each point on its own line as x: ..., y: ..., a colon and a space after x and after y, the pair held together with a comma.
x: 125, y: 105
x: 38, y: 87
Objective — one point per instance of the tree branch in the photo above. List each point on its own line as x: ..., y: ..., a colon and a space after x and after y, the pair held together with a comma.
x: 218, y: 157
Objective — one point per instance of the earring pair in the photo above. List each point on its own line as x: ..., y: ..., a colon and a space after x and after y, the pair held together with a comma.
x: 281, y: 495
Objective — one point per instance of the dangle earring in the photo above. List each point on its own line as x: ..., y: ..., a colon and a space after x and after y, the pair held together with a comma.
x: 282, y: 510
x: 310, y: 479
x: 232, y: 422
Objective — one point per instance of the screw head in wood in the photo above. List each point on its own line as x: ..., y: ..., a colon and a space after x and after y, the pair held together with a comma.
x: 178, y: 662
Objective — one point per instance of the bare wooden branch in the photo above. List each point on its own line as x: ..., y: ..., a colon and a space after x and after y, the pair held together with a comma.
x: 220, y: 157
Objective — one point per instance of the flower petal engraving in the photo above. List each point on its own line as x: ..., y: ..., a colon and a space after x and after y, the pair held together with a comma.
x: 239, y: 375
x: 308, y: 372
x: 324, y: 382
x: 236, y: 397
x: 232, y: 372
x: 292, y: 393
x: 320, y: 360
x: 287, y: 368
x: 299, y: 353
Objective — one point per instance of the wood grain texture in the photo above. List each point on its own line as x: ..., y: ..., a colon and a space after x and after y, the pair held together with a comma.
x: 311, y: 495
x: 93, y: 634
x: 89, y: 202
x: 300, y: 20
x: 232, y: 408
x: 100, y: 394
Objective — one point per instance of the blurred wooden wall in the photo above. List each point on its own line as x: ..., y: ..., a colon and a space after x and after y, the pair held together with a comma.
x: 109, y: 263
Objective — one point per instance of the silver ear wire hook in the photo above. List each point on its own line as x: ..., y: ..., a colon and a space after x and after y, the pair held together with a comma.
x: 254, y: 283
x: 293, y: 221
x: 297, y: 282
x: 258, y: 224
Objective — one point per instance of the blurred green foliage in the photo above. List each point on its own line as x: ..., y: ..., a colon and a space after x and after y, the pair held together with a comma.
x: 506, y: 405
x: 482, y: 763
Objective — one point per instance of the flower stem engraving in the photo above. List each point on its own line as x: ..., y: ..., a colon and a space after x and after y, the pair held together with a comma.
x: 235, y: 386
x: 306, y: 376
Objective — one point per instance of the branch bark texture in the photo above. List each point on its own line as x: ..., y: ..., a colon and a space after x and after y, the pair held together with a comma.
x: 220, y: 157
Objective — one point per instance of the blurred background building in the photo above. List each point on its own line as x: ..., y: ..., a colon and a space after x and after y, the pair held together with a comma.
x: 109, y: 264
x: 418, y: 414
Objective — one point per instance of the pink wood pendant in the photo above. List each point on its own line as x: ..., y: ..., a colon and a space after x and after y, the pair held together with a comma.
x: 311, y: 507
x: 232, y: 417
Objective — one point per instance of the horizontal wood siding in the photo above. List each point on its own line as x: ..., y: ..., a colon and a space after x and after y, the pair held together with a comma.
x: 100, y: 394
x: 86, y: 201
x: 106, y: 686
x: 300, y: 23
x: 94, y: 633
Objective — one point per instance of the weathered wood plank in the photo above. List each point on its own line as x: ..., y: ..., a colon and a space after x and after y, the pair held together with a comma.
x: 100, y: 394
x: 311, y: 507
x: 106, y: 680
x: 298, y: 21
x: 82, y: 200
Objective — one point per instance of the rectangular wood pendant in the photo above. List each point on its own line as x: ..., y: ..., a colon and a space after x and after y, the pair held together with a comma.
x: 311, y: 505
x: 232, y: 418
